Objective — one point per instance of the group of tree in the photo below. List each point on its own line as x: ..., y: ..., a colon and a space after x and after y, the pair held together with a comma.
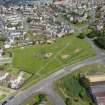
x: 2, y: 40
x: 98, y: 36
x: 29, y: 19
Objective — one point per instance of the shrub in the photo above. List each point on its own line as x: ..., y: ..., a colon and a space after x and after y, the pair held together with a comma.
x: 84, y: 82
x: 68, y: 101
x: 82, y: 94
x: 81, y: 36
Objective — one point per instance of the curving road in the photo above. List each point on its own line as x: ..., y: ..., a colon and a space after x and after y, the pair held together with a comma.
x: 46, y: 84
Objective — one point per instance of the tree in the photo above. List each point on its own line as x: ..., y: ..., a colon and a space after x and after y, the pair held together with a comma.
x: 41, y: 97
x: 98, y: 37
x: 93, y: 34
x: 84, y: 82
x: 98, y: 11
x: 2, y: 39
x: 81, y: 36
x: 68, y: 101
x: 29, y: 19
x: 100, y: 42
x: 82, y: 94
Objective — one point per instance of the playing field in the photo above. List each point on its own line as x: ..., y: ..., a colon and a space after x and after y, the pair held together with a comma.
x: 42, y: 60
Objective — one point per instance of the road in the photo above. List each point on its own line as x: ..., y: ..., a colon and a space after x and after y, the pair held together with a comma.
x: 46, y: 84
x: 56, y: 99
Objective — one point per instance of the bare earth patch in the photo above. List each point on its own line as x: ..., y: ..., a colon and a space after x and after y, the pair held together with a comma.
x: 64, y: 56
x: 77, y: 50
x: 22, y: 47
x: 48, y: 55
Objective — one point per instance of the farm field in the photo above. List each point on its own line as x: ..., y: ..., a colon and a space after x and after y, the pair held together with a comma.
x: 41, y: 60
x: 70, y: 88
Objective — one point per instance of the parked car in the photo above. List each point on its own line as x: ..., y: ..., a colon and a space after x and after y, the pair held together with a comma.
x: 4, y: 103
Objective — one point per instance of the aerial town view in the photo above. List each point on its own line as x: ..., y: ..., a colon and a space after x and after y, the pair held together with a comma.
x: 52, y: 52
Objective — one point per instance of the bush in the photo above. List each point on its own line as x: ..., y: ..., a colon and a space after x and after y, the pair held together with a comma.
x: 84, y: 82
x: 41, y: 97
x: 100, y: 42
x: 68, y: 101
x: 81, y: 36
x: 82, y: 94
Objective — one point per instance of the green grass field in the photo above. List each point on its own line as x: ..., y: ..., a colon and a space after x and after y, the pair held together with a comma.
x: 69, y: 85
x: 2, y: 96
x: 64, y: 51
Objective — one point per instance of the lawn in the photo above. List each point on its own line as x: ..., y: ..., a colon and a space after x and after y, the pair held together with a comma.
x: 38, y: 99
x: 5, y: 92
x: 2, y: 96
x: 69, y: 86
x: 64, y: 51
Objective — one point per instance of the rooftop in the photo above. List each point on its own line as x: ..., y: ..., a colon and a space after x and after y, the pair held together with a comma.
x: 96, y: 78
x: 97, y: 87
